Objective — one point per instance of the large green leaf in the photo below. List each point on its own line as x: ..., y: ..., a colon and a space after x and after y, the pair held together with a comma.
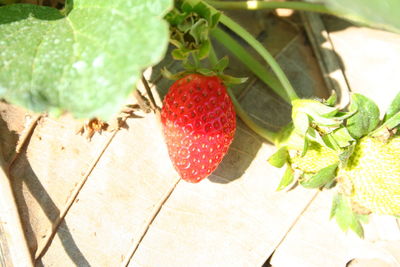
x: 85, y: 62
x: 383, y: 14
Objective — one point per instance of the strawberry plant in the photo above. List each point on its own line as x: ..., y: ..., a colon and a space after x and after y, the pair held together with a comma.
x: 86, y: 58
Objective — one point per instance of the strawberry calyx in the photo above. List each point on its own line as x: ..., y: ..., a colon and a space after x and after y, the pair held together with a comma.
x: 190, y: 24
x: 216, y: 69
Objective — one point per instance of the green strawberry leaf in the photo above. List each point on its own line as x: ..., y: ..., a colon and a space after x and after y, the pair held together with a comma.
x: 366, y: 119
x: 287, y: 178
x: 279, y: 158
x: 393, y: 108
x: 345, y: 217
x: 86, y: 62
x: 320, y: 179
x: 381, y: 14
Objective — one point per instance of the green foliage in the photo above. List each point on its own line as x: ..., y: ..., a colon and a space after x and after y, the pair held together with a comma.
x: 287, y: 178
x: 191, y: 22
x: 323, y: 177
x: 85, y: 62
x: 279, y: 158
x: 319, y: 122
x: 383, y: 14
x: 345, y: 217
x: 366, y: 118
x: 393, y: 108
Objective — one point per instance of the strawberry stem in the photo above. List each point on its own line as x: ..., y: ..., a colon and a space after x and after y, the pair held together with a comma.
x: 250, y: 62
x: 245, y: 35
x: 212, y: 56
x: 257, y: 5
x: 268, y: 135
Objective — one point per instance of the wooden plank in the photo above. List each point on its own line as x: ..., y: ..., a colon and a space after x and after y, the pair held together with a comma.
x: 47, y: 173
x: 234, y: 218
x: 118, y: 202
x: 14, y: 123
x: 317, y: 241
x: 13, y: 247
x: 370, y: 59
x: 328, y: 60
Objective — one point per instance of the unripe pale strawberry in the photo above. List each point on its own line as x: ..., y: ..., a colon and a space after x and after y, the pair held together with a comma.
x: 316, y: 158
x: 372, y: 176
x: 199, y: 122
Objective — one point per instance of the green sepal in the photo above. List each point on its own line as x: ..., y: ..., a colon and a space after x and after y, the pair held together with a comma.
x: 316, y: 120
x: 199, y: 31
x: 279, y: 158
x: 301, y: 122
x: 388, y: 126
x: 394, y: 108
x: 172, y: 76
x: 306, y: 143
x: 345, y: 154
x: 204, y: 49
x: 201, y: 8
x: 205, y: 72
x: 180, y: 54
x: 175, y: 17
x: 366, y: 118
x: 342, y: 137
x: 313, y: 108
x: 345, y: 217
x: 230, y: 80
x: 287, y: 178
x: 324, y: 176
x: 221, y: 65
x: 191, y: 22
x: 331, y: 101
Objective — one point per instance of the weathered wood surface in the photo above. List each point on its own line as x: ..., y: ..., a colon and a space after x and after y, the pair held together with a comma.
x: 370, y: 61
x: 117, y: 200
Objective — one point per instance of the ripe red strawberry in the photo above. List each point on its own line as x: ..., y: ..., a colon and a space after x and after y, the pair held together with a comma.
x: 199, y: 123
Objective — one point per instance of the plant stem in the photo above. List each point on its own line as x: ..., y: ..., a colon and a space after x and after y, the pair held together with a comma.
x: 250, y: 62
x: 268, y: 135
x: 256, y: 5
x: 212, y: 56
x: 239, y: 30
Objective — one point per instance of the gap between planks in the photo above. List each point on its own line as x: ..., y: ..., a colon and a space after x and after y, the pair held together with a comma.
x: 151, y: 219
x: 41, y: 250
x: 19, y: 251
x: 294, y: 223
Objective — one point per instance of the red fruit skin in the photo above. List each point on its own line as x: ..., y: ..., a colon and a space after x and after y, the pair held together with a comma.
x: 199, y: 123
